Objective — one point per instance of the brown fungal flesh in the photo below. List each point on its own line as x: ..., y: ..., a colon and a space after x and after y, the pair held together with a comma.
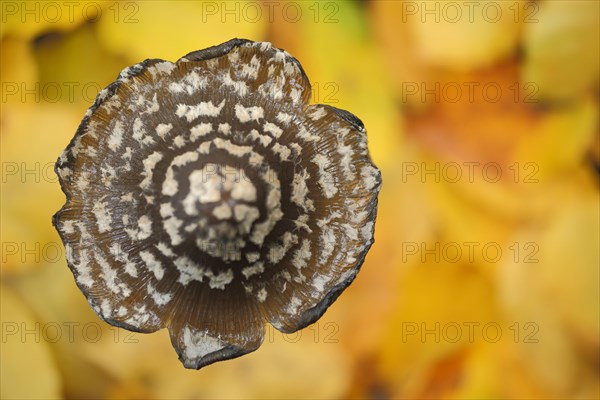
x: 209, y: 197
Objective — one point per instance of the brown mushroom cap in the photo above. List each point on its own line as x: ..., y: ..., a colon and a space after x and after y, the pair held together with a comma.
x: 209, y: 197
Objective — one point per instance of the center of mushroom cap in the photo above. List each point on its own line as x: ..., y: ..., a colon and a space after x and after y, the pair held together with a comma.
x: 223, y: 199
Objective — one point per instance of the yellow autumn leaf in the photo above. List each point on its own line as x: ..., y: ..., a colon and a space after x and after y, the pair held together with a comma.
x: 18, y: 71
x: 440, y: 309
x: 464, y: 35
x: 562, y: 50
x: 569, y: 270
x: 553, y: 284
x: 25, y: 354
x: 170, y: 30
x: 70, y: 326
x: 150, y: 368
x: 559, y: 143
x: 397, y: 47
x: 29, y: 20
x: 73, y: 67
x: 33, y: 136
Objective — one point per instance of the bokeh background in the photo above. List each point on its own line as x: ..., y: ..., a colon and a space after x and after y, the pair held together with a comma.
x: 483, y: 118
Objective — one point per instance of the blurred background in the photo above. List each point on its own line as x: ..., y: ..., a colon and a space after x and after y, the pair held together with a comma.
x: 484, y: 279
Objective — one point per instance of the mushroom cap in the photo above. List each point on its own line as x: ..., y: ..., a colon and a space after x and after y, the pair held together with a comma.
x: 209, y: 197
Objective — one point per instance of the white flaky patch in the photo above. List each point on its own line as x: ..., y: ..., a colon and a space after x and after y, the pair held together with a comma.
x: 116, y: 137
x: 327, y: 220
x: 161, y: 68
x: 300, y: 191
x: 77, y: 146
x: 346, y: 153
x: 138, y: 130
x: 367, y: 231
x: 65, y: 172
x: 263, y: 139
x: 204, y: 148
x: 149, y: 165
x: 261, y: 295
x: 320, y: 282
x: 205, y: 187
x: 273, y: 204
x: 110, y: 277
x: 325, y: 177
x: 212, y: 64
x: 127, y: 154
x: 245, y: 215
x: 108, y: 175
x: 165, y: 250
x: 283, y: 151
x: 163, y: 129
x: 317, y: 113
x: 234, y: 56
x: 349, y: 274
x: 188, y: 270
x: 293, y: 306
x: 284, y: 118
x: 250, y: 70
x: 225, y: 128
x: 151, y: 106
x: 369, y: 176
x: 67, y: 227
x: 166, y: 210
x: 120, y: 255
x: 239, y: 87
x: 204, y: 109
x: 246, y: 114
x: 307, y: 136
x: 144, y: 227
x: 220, y: 280
x: 142, y: 316
x: 261, y: 230
x: 103, y: 217
x: 296, y: 94
x: 106, y: 309
x: 152, y: 264
x: 170, y: 186
x: 179, y: 141
x: 302, y: 255
x: 350, y: 231
x: 171, y: 226
x: 198, y: 344
x: 159, y: 298
x: 302, y: 222
x: 252, y: 256
x: 279, y: 250
x: 328, y: 242
x: 233, y: 149
x: 223, y: 211
x: 254, y: 269
x: 190, y: 84
x: 82, y: 266
x: 296, y: 148
x: 200, y: 130
x: 274, y: 195
x: 83, y: 231
x: 273, y: 129
x: 242, y: 189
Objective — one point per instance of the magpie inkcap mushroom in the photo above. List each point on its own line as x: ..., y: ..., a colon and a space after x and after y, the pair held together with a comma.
x: 207, y: 196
